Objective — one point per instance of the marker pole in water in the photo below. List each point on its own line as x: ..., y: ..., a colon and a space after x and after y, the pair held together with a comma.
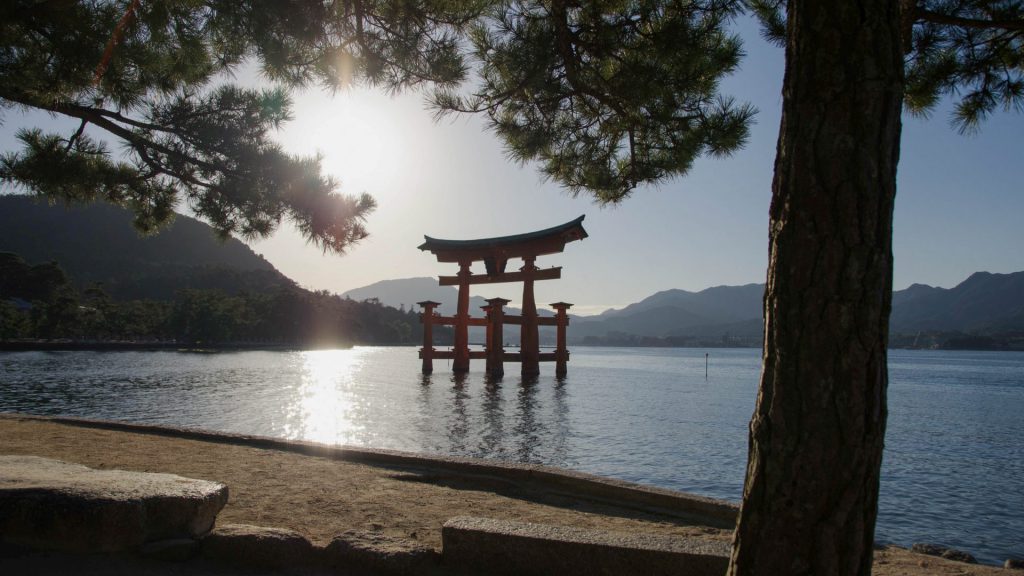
x: 705, y: 365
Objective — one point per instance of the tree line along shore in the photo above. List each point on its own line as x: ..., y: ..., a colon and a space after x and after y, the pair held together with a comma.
x: 41, y: 307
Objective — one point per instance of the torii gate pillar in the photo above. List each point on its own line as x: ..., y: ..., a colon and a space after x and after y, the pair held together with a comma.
x: 496, y: 336
x: 561, y: 352
x: 529, y: 340
x: 427, y: 319
x: 461, y: 361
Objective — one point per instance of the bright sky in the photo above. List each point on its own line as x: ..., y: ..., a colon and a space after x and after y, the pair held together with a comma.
x: 959, y: 206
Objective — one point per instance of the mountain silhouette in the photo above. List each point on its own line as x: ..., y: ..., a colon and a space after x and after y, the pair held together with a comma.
x: 984, y: 302
x: 96, y: 243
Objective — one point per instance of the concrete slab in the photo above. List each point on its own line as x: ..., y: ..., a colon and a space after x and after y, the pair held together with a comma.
x: 264, y: 547
x: 503, y: 547
x: 55, y: 505
x: 381, y: 554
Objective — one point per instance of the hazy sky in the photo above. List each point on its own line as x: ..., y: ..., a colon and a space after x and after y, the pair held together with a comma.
x: 959, y: 206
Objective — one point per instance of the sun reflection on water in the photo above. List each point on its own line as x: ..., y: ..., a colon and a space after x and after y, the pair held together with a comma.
x: 323, y: 407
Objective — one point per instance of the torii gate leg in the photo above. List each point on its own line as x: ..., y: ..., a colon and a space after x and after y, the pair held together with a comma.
x: 561, y: 352
x: 496, y: 340
x: 461, y: 361
x: 427, y: 318
x: 489, y: 339
x: 529, y: 346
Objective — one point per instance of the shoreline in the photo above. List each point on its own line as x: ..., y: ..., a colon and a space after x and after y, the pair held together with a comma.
x: 121, y: 346
x: 321, y: 490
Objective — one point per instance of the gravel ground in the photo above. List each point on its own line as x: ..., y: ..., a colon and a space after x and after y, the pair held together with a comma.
x: 321, y: 497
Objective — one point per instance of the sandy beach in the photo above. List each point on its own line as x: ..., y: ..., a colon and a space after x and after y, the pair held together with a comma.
x: 323, y: 496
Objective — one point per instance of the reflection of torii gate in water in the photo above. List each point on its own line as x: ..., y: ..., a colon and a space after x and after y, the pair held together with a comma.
x: 495, y: 253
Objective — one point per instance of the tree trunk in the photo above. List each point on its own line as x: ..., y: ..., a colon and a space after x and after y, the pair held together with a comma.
x: 816, y: 437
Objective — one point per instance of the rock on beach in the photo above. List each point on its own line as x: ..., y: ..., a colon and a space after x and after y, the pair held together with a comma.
x: 56, y: 505
x: 944, y: 552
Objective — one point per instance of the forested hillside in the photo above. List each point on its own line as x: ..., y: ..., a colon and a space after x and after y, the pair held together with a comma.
x: 84, y: 274
x: 96, y: 243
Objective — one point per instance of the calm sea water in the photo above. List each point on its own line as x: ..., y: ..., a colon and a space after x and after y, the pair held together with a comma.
x: 954, y: 462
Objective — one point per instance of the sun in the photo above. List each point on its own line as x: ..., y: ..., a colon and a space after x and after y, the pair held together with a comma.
x: 355, y: 133
x: 361, y: 145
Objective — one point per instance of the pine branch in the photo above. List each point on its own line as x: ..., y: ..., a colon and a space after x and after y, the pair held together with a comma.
x: 973, y: 23
x: 565, y: 38
x: 115, y: 39
x: 74, y: 137
x: 107, y: 120
x: 95, y: 117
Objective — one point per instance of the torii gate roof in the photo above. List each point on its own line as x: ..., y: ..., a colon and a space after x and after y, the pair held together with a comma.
x: 548, y: 241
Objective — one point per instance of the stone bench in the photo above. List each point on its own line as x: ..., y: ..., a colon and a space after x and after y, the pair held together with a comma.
x: 483, y: 545
x: 54, y: 505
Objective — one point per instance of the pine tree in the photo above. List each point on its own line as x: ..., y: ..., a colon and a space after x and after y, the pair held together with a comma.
x: 817, y: 435
x: 154, y: 76
x: 607, y: 95
x: 610, y: 95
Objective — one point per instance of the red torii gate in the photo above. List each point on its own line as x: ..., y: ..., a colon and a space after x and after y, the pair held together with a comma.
x: 495, y: 254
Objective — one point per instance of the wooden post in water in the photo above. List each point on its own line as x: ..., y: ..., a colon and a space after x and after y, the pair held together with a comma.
x: 561, y: 352
x: 496, y: 337
x: 488, y: 337
x: 427, y: 319
x: 461, y: 361
x: 529, y: 343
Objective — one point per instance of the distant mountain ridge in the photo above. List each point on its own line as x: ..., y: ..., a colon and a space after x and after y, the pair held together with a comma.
x: 408, y: 291
x: 727, y: 303
x: 95, y: 243
x: 182, y: 285
x: 983, y: 303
